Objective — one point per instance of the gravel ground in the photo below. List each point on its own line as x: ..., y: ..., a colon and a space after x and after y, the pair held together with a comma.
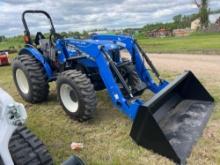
x: 205, y: 66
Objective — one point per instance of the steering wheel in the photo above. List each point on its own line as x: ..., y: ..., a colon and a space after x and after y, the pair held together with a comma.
x: 53, y: 37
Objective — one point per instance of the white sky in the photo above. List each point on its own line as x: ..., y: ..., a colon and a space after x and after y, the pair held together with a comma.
x: 78, y: 15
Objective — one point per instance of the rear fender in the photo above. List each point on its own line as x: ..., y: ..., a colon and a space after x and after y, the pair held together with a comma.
x: 36, y: 54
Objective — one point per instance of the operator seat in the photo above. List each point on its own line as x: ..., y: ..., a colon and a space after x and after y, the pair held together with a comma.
x: 45, y: 47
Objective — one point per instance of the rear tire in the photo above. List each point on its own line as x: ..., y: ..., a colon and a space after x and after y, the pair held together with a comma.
x: 76, y: 95
x: 27, y: 149
x: 30, y: 78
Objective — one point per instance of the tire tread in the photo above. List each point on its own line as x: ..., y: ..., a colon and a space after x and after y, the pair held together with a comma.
x: 87, y: 92
x: 37, y: 77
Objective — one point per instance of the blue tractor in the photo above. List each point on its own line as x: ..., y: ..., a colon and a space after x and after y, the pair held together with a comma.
x: 169, y: 123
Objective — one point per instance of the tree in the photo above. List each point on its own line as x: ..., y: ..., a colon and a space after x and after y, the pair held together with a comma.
x: 85, y: 34
x: 2, y: 38
x: 177, y: 19
x: 76, y: 35
x: 203, y: 12
x: 64, y: 34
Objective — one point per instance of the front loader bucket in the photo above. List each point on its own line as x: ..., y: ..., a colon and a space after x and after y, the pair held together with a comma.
x: 171, y: 122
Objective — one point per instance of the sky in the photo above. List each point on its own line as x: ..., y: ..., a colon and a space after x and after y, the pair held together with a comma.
x: 79, y: 15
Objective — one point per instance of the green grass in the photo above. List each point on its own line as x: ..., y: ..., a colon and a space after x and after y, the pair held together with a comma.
x: 106, y: 138
x: 197, y: 43
x: 15, y: 43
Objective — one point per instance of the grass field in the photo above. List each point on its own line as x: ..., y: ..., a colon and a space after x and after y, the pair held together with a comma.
x: 15, y: 43
x: 198, y: 43
x: 106, y: 137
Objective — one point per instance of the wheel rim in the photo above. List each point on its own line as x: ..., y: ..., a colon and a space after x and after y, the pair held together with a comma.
x: 69, y: 98
x: 22, y: 81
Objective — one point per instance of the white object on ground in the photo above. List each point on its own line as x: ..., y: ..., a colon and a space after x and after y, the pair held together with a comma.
x: 76, y: 146
x: 12, y: 114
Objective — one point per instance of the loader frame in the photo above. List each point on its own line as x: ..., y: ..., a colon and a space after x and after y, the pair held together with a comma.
x: 103, y: 62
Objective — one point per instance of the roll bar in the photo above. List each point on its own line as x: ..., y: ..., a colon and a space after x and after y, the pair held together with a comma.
x: 27, y: 32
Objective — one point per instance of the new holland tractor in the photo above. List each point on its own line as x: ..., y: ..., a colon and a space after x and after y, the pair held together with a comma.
x: 169, y: 123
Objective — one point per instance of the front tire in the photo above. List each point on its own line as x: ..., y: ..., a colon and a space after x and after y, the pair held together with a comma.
x: 30, y: 78
x: 76, y: 95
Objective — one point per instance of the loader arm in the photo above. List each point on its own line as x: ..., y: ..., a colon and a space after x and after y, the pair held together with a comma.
x: 138, y: 59
x: 96, y: 54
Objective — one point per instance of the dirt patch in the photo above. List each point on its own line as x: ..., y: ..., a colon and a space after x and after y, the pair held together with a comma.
x: 205, y: 66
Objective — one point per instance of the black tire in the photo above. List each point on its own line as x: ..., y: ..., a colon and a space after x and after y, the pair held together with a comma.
x: 83, y: 91
x: 36, y: 78
x: 27, y: 149
x: 134, y: 82
x: 133, y: 78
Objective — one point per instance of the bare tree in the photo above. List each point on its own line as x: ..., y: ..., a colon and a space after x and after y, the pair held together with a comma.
x: 203, y: 12
x: 197, y: 4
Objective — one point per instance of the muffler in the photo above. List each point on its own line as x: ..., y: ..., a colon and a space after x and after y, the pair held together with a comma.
x: 172, y: 121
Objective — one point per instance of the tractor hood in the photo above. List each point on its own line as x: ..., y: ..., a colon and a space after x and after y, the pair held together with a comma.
x: 108, y: 45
